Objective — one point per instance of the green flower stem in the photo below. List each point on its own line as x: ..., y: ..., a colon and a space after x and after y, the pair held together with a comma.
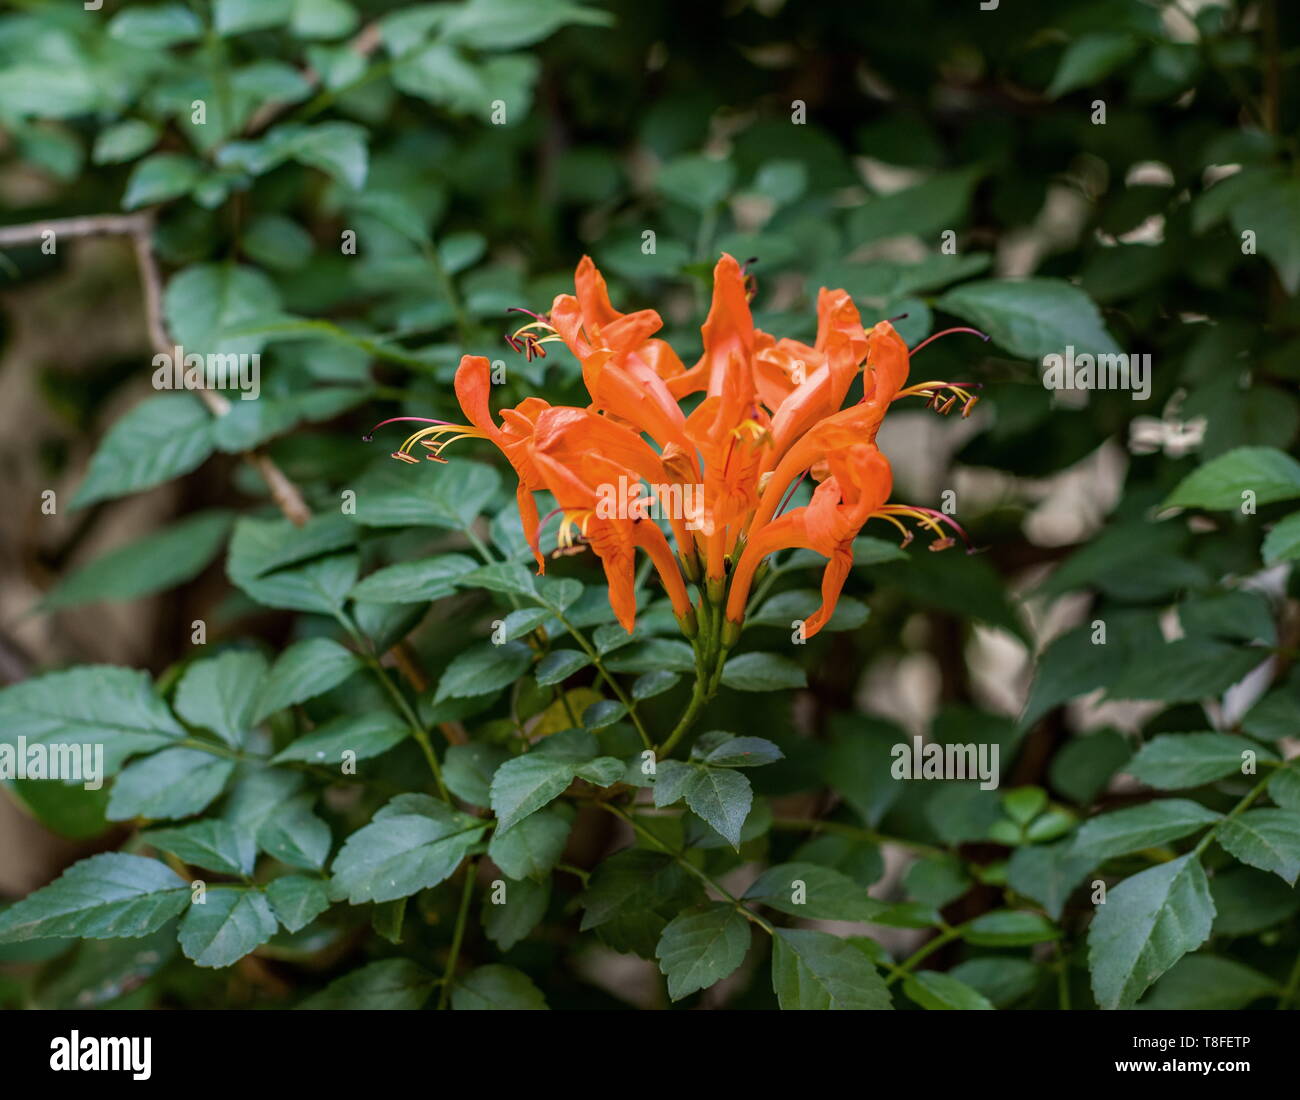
x: 685, y: 863
x: 418, y: 731
x: 457, y: 936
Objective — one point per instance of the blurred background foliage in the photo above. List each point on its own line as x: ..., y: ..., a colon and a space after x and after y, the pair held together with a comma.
x: 1095, y: 166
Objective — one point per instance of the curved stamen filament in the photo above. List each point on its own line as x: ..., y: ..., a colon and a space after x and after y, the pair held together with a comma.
x: 948, y: 332
x: 930, y: 519
x: 369, y: 437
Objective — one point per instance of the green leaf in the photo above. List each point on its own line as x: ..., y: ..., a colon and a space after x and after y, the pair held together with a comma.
x: 1268, y: 839
x: 323, y: 18
x: 725, y: 750
x: 763, y: 672
x: 1272, y: 212
x: 524, y: 784
x: 412, y: 843
x: 654, y: 683
x: 415, y: 581
x: 103, y: 897
x: 702, y: 946
x: 858, y: 765
x: 1151, y: 825
x: 237, y: 16
x: 92, y: 704
x: 161, y: 438
x: 219, y: 694
x: 633, y: 895
x: 1148, y: 922
x: 722, y: 796
x: 813, y: 970
x: 1081, y: 769
x: 697, y: 181
x: 390, y: 984
x: 1010, y: 928
x: 1032, y: 318
x: 1270, y: 474
x: 1000, y: 979
x: 1248, y: 901
x: 160, y: 177
x: 397, y: 495
x: 937, y: 881
x: 483, y: 668
x: 508, y: 921
x: 468, y: 770
x: 213, y: 845
x: 786, y: 608
x: 497, y: 987
x: 1284, y: 787
x: 173, y: 783
x: 1200, y: 982
x: 938, y: 203
x: 1173, y: 761
x: 231, y: 922
x: 297, y: 900
x: 303, y: 671
x: 156, y: 28
x: 1282, y: 543
x: 321, y: 585
x: 558, y: 665
x: 176, y: 554
x: 293, y: 834
x: 205, y: 305
x: 124, y: 141
x: 532, y: 847
x: 813, y: 892
x: 1048, y: 874
x: 933, y: 990
x: 363, y: 735
x: 1090, y: 58
x: 509, y: 24
x: 1186, y: 670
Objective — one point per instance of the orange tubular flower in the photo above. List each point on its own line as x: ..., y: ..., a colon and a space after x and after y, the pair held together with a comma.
x: 770, y: 412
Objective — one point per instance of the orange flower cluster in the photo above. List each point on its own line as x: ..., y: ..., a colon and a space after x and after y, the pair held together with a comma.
x: 770, y: 414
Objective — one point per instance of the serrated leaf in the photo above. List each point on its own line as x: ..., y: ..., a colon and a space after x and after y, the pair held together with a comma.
x: 396, y: 495
x: 1269, y: 473
x: 412, y: 843
x: 159, y: 439
x: 495, y: 988
x: 559, y: 665
x: 722, y: 796
x: 297, y: 900
x: 103, y: 897
x: 1147, y: 826
x: 813, y: 970
x: 210, y: 844
x: 763, y: 672
x: 219, y: 694
x: 231, y: 922
x: 160, y: 561
x: 414, y: 581
x: 1173, y: 761
x: 91, y: 704
x: 526, y: 783
x: 483, y: 668
x: 177, y: 782
x: 932, y: 990
x: 468, y: 770
x: 702, y: 946
x: 1032, y: 318
x: 509, y: 920
x: 1200, y: 982
x: 390, y: 984
x: 813, y: 892
x: 1148, y: 922
x: 293, y: 834
x: 303, y: 671
x: 1010, y: 928
x: 1268, y: 839
x: 532, y: 847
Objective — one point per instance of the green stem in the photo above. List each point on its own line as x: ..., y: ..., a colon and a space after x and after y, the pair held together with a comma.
x: 605, y: 675
x: 1237, y: 810
x: 949, y: 933
x: 686, y: 864
x: 457, y: 936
